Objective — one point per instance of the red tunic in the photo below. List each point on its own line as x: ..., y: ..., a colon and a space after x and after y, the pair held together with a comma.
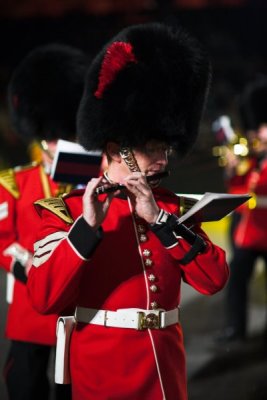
x: 252, y: 229
x: 239, y: 183
x: 121, y: 363
x: 19, y: 224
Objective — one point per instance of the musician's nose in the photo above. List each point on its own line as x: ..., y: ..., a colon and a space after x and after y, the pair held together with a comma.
x: 161, y: 157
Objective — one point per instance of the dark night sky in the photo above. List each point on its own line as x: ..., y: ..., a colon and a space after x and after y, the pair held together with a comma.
x: 234, y: 36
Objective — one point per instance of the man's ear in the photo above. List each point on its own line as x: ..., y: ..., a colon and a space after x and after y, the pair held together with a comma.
x: 113, y: 151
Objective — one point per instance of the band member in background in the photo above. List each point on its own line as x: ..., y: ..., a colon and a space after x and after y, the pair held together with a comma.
x: 115, y: 255
x: 43, y: 95
x: 249, y: 233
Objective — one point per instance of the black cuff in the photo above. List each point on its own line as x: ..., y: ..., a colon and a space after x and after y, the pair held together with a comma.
x: 167, y: 228
x: 197, y: 242
x: 84, y: 238
x: 181, y: 229
x: 19, y: 272
x: 165, y: 234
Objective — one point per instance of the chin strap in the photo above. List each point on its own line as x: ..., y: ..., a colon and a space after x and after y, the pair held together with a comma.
x: 129, y: 159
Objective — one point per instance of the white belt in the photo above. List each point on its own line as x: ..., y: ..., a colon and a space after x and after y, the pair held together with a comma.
x: 134, y: 318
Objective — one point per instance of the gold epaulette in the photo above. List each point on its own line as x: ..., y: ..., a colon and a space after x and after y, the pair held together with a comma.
x: 8, y: 181
x: 57, y: 206
x: 186, y: 203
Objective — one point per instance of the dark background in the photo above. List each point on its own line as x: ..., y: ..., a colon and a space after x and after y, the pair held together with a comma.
x: 233, y: 31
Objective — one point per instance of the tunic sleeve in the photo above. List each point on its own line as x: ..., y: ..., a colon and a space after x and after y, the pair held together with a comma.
x: 8, y: 234
x: 61, y: 252
x: 206, y: 271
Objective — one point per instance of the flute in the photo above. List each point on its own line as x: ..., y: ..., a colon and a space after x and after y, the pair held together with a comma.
x: 119, y: 186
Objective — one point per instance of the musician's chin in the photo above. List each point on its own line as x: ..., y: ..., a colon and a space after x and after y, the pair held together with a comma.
x: 155, y: 183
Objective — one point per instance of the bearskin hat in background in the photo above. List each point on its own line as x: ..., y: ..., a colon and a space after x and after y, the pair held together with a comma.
x: 149, y: 82
x: 253, y: 104
x: 45, y: 91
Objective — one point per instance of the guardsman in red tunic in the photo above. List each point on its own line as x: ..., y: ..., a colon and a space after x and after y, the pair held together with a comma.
x: 44, y: 95
x: 120, y: 257
x: 237, y: 173
x: 250, y: 231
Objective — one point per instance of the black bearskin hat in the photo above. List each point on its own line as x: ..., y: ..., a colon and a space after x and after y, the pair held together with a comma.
x: 253, y: 104
x: 149, y: 82
x: 45, y: 91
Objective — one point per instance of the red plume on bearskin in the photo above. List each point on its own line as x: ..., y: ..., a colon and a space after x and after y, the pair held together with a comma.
x: 117, y: 56
x: 149, y: 82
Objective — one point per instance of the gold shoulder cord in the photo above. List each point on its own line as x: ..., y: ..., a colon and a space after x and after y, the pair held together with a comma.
x: 45, y: 183
x: 62, y: 189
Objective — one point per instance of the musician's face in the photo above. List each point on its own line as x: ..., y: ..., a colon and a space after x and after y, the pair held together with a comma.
x: 152, y: 158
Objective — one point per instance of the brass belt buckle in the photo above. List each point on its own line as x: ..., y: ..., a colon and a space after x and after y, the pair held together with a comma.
x: 149, y: 321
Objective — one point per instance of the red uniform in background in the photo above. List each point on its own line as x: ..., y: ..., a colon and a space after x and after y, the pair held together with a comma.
x: 236, y: 182
x: 43, y: 96
x: 252, y: 231
x: 129, y: 268
x: 32, y: 335
x: 249, y: 239
x: 19, y: 188
x: 249, y: 232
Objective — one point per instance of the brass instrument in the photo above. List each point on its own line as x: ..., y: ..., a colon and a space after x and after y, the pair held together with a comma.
x: 229, y: 142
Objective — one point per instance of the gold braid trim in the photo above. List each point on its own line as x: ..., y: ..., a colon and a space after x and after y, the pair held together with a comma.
x: 57, y: 206
x: 7, y: 180
x: 45, y: 183
x: 62, y: 188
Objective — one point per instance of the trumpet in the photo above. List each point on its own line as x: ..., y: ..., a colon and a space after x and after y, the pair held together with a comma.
x: 229, y: 142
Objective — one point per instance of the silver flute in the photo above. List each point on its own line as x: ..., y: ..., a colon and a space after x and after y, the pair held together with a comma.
x: 113, y: 188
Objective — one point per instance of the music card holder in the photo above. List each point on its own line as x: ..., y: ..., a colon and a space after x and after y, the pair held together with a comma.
x: 212, y: 207
x: 73, y: 164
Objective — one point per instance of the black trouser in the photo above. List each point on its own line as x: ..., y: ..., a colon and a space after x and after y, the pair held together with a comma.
x: 241, y: 268
x: 235, y: 219
x: 26, y: 373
